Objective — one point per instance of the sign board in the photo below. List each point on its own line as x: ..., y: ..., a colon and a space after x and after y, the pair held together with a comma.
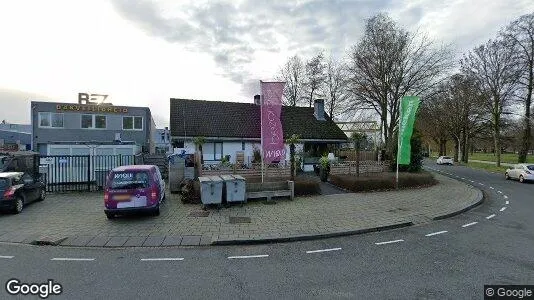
x: 62, y: 160
x: 92, y: 99
x: 92, y: 108
x: 47, y: 161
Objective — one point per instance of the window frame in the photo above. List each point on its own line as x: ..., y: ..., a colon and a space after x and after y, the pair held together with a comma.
x: 50, y: 114
x: 133, y: 123
x: 93, y: 121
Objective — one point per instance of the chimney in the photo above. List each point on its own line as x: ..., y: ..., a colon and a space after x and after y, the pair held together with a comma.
x: 257, y: 100
x: 318, y: 109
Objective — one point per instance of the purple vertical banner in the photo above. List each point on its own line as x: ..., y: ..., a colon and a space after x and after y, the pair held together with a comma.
x: 271, y: 126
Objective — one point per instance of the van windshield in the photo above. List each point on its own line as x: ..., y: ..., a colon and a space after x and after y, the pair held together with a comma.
x: 130, y: 180
x: 4, y: 182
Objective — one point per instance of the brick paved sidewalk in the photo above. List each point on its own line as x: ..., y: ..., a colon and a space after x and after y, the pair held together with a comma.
x: 79, y: 220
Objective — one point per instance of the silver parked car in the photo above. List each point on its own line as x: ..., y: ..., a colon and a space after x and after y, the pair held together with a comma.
x: 522, y: 172
x: 445, y: 160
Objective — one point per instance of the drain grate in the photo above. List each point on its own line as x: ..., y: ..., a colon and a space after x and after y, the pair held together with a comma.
x: 238, y: 220
x: 199, y: 213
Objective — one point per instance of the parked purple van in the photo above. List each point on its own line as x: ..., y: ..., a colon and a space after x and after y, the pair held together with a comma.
x: 133, y: 188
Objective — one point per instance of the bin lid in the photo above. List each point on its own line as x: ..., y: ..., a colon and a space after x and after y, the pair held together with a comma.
x: 227, y: 177
x: 239, y: 177
x: 215, y: 178
x: 204, y: 179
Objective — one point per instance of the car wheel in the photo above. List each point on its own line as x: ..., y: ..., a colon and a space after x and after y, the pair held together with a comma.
x: 506, y: 176
x: 19, y: 205
x: 521, y: 179
x: 110, y: 216
x: 42, y: 195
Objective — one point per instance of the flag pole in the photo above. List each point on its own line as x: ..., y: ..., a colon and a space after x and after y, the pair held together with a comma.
x: 261, y: 130
x: 399, y: 144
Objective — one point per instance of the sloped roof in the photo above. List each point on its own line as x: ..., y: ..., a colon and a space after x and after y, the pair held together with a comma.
x: 242, y: 120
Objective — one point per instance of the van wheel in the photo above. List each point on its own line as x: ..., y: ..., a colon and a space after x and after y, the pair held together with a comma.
x: 42, y: 195
x: 110, y: 216
x: 156, y: 211
x: 19, y: 205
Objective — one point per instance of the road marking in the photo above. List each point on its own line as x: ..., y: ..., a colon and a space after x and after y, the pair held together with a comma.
x: 507, y: 202
x: 436, y: 233
x: 502, y: 209
x: 492, y: 188
x: 389, y: 242
x: 505, y: 197
x: 490, y: 216
x: 323, y: 250
x: 248, y: 256
x: 480, y: 183
x: 6, y: 256
x: 162, y: 259
x: 469, y: 224
x: 499, y: 192
x: 72, y: 259
x: 472, y: 181
x: 463, y: 178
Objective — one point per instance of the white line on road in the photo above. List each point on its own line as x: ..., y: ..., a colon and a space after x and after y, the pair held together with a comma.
x: 503, y: 208
x: 436, y: 233
x: 507, y: 202
x: 323, y: 250
x: 499, y: 192
x: 389, y: 242
x: 490, y: 216
x: 72, y: 259
x: 469, y: 224
x: 6, y: 256
x: 492, y: 188
x: 249, y: 256
x: 162, y: 259
x: 463, y: 178
x: 472, y: 181
x: 505, y: 197
x: 480, y: 183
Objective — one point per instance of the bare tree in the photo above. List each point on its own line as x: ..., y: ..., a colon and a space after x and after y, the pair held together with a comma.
x: 520, y: 36
x: 315, y: 76
x: 494, y: 68
x: 389, y: 63
x: 335, y: 86
x: 293, y: 73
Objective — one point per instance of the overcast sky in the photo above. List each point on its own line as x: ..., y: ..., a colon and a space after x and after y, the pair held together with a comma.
x: 142, y: 53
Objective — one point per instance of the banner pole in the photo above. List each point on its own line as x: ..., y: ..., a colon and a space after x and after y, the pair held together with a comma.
x: 399, y: 144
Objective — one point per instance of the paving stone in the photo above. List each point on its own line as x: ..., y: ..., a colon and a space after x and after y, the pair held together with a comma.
x: 189, y: 240
x: 135, y: 241
x: 153, y: 241
x: 117, y: 241
x: 99, y: 241
x: 77, y: 241
x: 172, y: 240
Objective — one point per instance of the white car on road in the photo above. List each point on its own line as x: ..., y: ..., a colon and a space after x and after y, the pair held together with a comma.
x: 445, y: 160
x: 522, y: 172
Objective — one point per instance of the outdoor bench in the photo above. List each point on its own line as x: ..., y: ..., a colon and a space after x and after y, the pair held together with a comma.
x: 271, y: 189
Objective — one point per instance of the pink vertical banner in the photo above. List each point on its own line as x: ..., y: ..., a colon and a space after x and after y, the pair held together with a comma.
x: 271, y: 126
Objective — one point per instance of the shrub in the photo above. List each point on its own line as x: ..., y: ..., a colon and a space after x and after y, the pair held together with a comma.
x: 307, y: 186
x: 416, y: 154
x: 382, y: 182
x: 190, y: 191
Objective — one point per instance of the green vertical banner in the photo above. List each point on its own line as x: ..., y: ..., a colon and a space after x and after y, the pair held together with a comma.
x: 409, y: 106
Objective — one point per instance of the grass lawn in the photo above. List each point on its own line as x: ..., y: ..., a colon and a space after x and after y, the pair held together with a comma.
x: 486, y: 167
x: 505, y: 158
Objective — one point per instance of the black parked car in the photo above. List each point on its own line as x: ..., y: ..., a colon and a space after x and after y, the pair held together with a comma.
x: 18, y: 189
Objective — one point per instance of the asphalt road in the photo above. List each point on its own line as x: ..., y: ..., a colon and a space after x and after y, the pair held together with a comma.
x: 448, y: 259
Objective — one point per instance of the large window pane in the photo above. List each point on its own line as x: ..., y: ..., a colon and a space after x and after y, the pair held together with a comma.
x: 138, y: 124
x: 218, y: 151
x: 57, y: 120
x: 87, y: 121
x: 44, y: 119
x: 127, y: 123
x: 100, y: 121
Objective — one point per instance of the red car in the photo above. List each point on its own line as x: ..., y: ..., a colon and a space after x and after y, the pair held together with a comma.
x: 134, y: 188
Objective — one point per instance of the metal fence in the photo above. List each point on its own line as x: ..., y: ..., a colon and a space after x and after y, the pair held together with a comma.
x: 79, y: 172
x: 281, y: 169
x: 366, y: 166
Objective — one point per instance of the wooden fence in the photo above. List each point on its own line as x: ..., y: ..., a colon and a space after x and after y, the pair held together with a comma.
x: 350, y: 155
x: 366, y: 166
x: 250, y: 170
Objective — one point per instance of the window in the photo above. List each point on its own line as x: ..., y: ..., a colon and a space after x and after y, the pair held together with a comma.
x: 50, y: 120
x: 243, y: 146
x: 178, y: 144
x: 93, y: 121
x: 132, y: 123
x: 218, y: 151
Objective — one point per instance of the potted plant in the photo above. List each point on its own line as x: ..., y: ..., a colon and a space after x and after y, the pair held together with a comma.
x: 324, y: 163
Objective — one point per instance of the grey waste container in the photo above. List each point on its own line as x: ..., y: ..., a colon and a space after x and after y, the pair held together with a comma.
x: 100, y: 177
x: 211, y: 189
x: 234, y: 188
